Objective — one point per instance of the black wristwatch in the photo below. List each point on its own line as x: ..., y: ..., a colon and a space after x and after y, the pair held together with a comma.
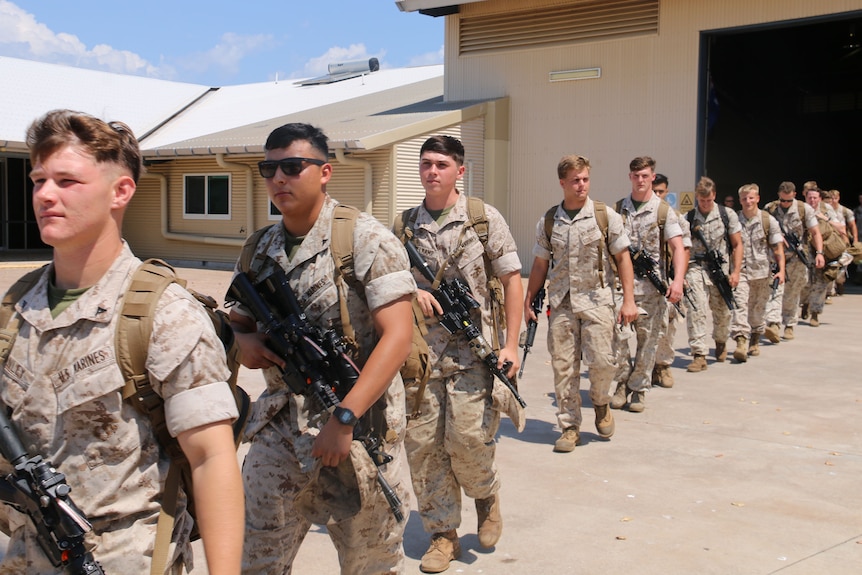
x: 345, y: 416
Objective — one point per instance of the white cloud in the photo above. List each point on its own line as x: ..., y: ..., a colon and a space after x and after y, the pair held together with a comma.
x: 319, y: 66
x: 427, y: 58
x: 22, y: 36
x: 227, y: 55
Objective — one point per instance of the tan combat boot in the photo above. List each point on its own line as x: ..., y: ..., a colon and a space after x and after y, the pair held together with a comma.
x: 568, y: 440
x: 665, y: 377
x: 637, y: 403
x: 620, y: 396
x: 698, y: 363
x: 788, y: 332
x: 490, y: 524
x: 444, y: 549
x: 720, y: 351
x: 740, y: 354
x: 814, y: 321
x: 604, y: 421
x: 772, y: 333
x: 754, y: 345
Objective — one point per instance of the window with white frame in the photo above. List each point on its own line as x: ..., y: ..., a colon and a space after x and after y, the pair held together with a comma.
x: 206, y: 196
x: 274, y: 214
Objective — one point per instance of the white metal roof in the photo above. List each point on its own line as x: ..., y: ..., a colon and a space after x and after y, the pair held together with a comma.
x: 29, y: 89
x: 236, y: 106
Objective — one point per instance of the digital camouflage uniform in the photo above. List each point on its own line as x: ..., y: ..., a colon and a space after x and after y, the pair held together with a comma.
x: 642, y: 228
x: 815, y: 291
x: 582, y: 305
x: 702, y: 292
x: 665, y: 353
x: 283, y: 426
x: 755, y: 279
x: 451, y: 444
x: 64, y: 386
x: 784, y: 307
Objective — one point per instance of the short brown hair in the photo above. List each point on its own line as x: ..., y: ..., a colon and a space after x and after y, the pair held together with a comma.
x: 107, y: 142
x: 747, y: 188
x: 572, y: 162
x: 705, y: 187
x: 640, y: 163
x: 786, y: 188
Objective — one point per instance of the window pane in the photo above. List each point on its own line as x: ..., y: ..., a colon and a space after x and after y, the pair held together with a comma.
x: 273, y: 211
x: 219, y: 195
x: 195, y: 195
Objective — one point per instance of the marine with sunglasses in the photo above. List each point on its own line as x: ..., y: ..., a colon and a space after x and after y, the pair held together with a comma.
x: 795, y: 217
x: 303, y: 466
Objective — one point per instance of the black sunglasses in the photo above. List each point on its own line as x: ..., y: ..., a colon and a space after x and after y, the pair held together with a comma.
x: 289, y: 166
x: 783, y: 201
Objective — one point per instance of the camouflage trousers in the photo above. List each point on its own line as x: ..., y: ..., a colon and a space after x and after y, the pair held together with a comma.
x: 450, y: 445
x: 750, y: 315
x: 368, y: 542
x: 664, y: 353
x: 650, y: 329
x: 784, y: 307
x: 818, y: 289
x: 704, y: 294
x: 570, y: 335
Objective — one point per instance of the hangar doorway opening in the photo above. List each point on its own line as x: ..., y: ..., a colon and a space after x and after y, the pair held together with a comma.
x: 783, y: 102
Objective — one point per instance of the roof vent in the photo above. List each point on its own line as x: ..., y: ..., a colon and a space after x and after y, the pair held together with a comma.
x: 343, y: 71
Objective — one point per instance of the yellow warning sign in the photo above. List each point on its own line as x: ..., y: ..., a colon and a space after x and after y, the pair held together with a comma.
x: 686, y: 201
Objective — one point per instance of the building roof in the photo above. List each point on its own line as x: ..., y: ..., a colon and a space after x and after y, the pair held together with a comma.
x: 365, y: 122
x: 177, y: 119
x: 30, y: 89
x: 239, y: 108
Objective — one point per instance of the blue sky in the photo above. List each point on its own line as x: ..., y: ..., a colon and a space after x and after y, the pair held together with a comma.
x: 217, y: 43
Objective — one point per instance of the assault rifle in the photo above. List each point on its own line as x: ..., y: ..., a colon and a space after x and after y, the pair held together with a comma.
x: 530, y: 335
x: 456, y: 300
x: 40, y: 491
x: 319, y: 357
x: 644, y: 266
x: 714, y: 259
x: 794, y: 243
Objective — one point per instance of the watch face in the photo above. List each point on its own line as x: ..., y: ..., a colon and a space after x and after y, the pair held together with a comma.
x: 345, y: 416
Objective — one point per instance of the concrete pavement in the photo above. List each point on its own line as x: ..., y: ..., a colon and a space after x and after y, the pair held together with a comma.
x: 748, y: 468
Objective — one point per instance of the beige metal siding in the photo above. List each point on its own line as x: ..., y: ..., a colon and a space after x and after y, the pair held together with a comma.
x: 555, y: 25
x: 644, y: 103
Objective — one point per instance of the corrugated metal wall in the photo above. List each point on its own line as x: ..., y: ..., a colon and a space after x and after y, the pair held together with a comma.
x: 644, y: 103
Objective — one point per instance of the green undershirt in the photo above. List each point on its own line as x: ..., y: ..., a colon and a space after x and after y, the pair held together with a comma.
x: 59, y: 299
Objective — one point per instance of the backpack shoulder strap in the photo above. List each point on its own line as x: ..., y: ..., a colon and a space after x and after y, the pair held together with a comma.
x: 341, y: 248
x: 131, y: 342
x: 477, y: 218
x: 134, y: 329
x: 602, y: 218
x: 9, y: 327
x: 663, y: 209
x: 404, y: 222
x: 549, y: 221
x: 764, y: 221
x: 246, y: 256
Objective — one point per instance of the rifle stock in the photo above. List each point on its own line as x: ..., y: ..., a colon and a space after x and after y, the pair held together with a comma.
x: 455, y: 299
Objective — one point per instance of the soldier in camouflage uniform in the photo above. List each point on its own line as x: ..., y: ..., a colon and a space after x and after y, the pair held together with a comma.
x: 664, y: 355
x: 820, y: 281
x: 450, y: 445
x: 580, y: 293
x: 63, y: 386
x: 761, y: 247
x: 303, y: 465
x: 797, y: 218
x: 641, y: 218
x: 708, y: 217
